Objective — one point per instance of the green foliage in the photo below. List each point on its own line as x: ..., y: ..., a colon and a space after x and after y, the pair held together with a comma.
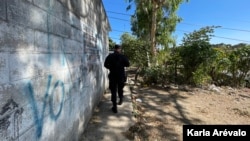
x: 173, y: 65
x: 196, y: 61
x: 154, y: 75
x: 111, y: 44
x: 136, y: 50
x: 163, y: 56
x: 219, y: 66
x: 155, y: 20
x: 196, y: 54
x: 201, y: 36
x: 200, y: 76
x: 239, y: 65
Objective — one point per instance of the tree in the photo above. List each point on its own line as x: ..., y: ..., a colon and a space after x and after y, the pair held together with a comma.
x: 196, y: 54
x: 160, y: 17
x: 240, y: 64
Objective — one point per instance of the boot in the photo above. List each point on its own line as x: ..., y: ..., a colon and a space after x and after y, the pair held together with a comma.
x: 120, y: 101
x: 114, y: 108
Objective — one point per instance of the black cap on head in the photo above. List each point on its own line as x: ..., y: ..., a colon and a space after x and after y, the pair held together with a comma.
x: 117, y: 46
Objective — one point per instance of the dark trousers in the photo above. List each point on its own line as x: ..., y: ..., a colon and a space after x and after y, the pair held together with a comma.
x: 116, y: 86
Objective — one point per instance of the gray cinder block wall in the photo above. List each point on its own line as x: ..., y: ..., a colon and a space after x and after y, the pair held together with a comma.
x: 51, y: 67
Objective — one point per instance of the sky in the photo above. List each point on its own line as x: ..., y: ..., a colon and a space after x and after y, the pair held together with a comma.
x: 232, y: 15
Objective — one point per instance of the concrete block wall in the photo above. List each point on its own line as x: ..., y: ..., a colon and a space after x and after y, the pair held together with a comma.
x: 51, y: 67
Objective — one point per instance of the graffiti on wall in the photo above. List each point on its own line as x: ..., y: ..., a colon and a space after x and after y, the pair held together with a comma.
x: 13, y: 118
x: 90, y: 46
x: 47, y: 101
x: 92, y: 54
x: 92, y: 66
x: 46, y: 107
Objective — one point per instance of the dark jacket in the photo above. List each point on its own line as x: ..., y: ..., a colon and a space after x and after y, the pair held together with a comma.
x: 116, y: 62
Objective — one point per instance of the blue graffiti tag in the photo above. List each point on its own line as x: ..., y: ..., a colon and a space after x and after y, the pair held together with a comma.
x: 48, y: 98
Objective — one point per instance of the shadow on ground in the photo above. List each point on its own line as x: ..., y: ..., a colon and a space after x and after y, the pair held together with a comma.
x: 108, y: 126
x: 159, y: 114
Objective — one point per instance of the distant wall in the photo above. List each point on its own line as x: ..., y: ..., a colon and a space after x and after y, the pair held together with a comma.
x: 51, y: 67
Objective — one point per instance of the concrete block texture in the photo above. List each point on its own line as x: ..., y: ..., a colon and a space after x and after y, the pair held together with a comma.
x: 51, y: 67
x: 3, y: 10
x: 58, y: 27
x: 24, y: 13
x: 16, y: 38
x: 4, y: 68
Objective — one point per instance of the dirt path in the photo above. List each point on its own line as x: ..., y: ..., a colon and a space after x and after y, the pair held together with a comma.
x: 162, y: 112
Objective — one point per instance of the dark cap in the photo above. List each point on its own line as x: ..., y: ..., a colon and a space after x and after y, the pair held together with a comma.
x: 117, y: 46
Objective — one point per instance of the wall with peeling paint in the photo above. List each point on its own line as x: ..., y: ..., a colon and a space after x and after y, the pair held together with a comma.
x: 51, y: 67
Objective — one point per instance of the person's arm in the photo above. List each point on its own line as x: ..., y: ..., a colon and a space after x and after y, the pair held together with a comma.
x: 107, y: 62
x: 126, y: 62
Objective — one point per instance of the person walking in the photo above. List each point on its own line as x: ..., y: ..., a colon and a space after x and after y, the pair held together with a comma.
x: 116, y: 63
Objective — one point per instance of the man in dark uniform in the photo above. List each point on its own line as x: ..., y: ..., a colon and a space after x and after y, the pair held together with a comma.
x: 116, y: 63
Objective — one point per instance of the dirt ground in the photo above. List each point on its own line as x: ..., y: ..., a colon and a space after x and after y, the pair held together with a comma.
x: 161, y: 112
